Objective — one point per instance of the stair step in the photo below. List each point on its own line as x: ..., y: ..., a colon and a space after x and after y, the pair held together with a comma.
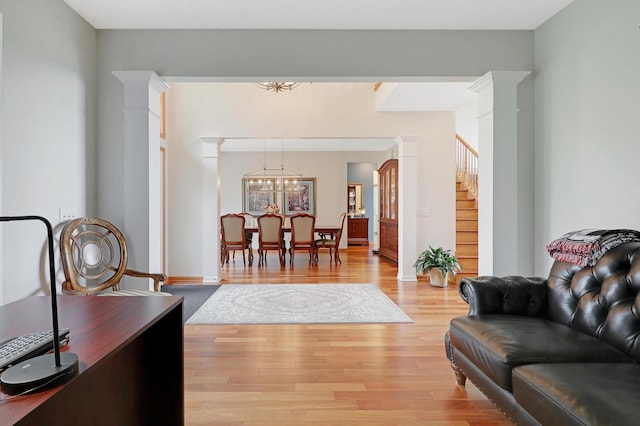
x: 463, y: 195
x: 467, y: 213
x: 468, y: 263
x: 467, y: 236
x: 466, y: 204
x: 466, y: 225
x: 467, y: 249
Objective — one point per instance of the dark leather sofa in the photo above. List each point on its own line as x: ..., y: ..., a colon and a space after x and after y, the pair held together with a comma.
x: 557, y: 351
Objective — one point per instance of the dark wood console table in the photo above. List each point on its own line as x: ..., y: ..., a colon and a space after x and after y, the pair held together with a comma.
x: 131, y: 361
x: 358, y: 231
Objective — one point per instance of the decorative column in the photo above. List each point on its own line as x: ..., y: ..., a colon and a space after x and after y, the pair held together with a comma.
x: 498, y: 179
x: 142, y: 172
x: 211, y: 209
x: 407, y: 206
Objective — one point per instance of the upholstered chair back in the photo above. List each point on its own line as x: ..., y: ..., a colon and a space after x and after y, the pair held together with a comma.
x: 233, y: 229
x: 270, y: 229
x: 602, y: 300
x: 302, y: 228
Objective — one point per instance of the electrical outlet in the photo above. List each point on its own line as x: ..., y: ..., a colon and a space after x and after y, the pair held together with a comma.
x: 67, y: 214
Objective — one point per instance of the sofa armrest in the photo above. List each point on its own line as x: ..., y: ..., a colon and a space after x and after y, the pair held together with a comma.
x: 512, y: 295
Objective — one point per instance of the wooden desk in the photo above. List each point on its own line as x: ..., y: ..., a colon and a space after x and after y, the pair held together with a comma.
x: 131, y: 361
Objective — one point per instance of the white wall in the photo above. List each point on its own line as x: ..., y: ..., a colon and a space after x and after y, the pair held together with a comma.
x: 313, y: 110
x: 48, y: 130
x: 329, y: 169
x: 587, y: 123
x: 467, y: 124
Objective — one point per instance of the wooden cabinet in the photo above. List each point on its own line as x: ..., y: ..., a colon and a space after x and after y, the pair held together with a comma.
x: 358, y: 231
x: 388, y: 199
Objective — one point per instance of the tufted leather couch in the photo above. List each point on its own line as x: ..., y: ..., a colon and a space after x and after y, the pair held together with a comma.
x: 557, y: 351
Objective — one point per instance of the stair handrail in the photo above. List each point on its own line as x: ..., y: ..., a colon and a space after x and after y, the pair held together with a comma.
x: 467, y: 165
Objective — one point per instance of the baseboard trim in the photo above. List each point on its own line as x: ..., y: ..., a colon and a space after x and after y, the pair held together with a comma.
x: 183, y: 280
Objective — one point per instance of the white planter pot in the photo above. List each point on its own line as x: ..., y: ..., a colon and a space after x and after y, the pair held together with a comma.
x: 436, y: 280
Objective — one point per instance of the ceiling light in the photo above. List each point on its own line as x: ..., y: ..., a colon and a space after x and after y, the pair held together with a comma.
x: 269, y: 180
x: 277, y: 86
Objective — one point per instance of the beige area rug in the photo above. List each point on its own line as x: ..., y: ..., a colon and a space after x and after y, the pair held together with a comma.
x: 298, y: 304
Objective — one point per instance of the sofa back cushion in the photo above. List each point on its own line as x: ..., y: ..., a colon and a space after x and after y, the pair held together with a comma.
x: 603, y: 300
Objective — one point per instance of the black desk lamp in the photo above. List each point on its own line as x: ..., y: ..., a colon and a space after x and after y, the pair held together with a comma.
x: 45, y: 370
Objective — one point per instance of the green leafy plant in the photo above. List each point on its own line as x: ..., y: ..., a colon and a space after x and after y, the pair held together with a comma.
x: 437, y: 258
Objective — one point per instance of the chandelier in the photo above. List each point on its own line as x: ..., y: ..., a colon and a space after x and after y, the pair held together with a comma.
x: 273, y: 180
x: 277, y: 86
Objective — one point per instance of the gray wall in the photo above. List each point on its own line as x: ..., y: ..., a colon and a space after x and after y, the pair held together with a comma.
x: 587, y: 126
x: 48, y: 131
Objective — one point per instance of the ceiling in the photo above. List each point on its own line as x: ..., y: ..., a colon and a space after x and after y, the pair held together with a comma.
x: 318, y: 14
x: 425, y: 96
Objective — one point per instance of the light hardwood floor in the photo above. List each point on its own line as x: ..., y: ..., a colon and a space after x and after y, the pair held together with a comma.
x: 357, y: 374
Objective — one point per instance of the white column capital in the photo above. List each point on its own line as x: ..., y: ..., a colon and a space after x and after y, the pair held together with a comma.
x: 148, y: 78
x: 407, y: 146
x: 211, y: 146
x: 498, y: 91
x: 142, y: 89
x: 493, y: 78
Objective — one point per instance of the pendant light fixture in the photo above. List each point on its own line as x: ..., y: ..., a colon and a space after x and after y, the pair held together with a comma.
x: 273, y: 180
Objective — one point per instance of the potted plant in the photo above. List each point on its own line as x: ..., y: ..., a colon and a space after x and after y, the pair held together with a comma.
x: 438, y: 263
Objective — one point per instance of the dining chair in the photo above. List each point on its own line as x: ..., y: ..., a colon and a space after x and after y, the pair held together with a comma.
x: 302, y: 235
x: 270, y: 237
x: 93, y: 254
x: 233, y: 237
x: 331, y: 242
x: 249, y: 221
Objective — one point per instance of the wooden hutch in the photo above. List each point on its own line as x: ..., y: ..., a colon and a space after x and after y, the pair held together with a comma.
x: 388, y: 187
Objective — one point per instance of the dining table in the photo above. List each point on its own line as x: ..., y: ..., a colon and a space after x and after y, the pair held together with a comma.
x: 322, y: 229
x: 325, y: 231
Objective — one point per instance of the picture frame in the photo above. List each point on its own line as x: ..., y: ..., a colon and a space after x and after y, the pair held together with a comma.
x: 257, y: 194
x: 303, y: 200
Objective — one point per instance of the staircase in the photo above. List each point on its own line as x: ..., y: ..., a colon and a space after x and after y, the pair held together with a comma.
x: 466, y: 209
x: 466, y: 231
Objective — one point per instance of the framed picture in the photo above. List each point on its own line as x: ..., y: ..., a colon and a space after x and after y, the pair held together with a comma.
x: 257, y: 195
x: 303, y: 200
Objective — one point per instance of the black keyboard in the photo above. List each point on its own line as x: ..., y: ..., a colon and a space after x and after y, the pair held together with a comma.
x: 17, y: 349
